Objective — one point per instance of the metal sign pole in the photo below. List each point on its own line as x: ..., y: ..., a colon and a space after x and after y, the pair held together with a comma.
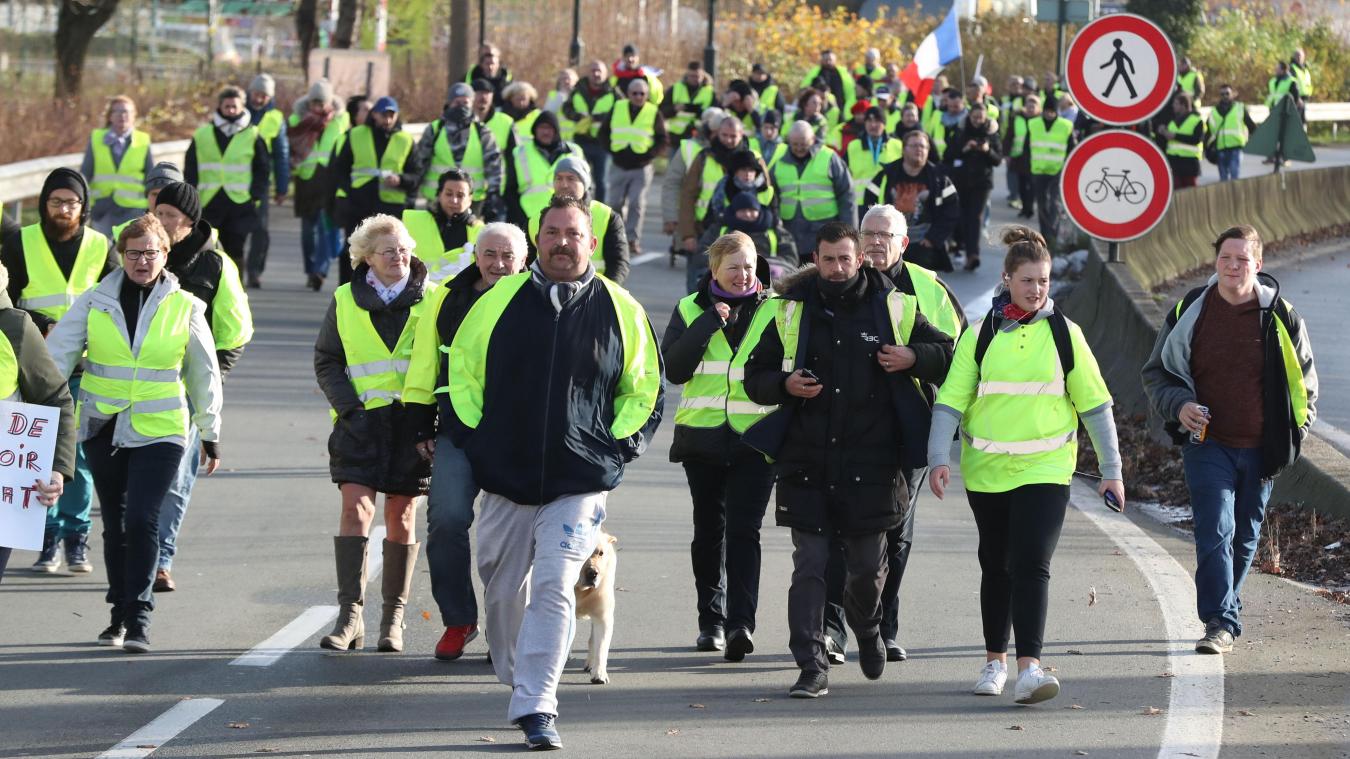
x: 1113, y: 252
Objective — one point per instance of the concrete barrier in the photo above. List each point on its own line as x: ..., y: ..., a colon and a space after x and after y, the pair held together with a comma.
x: 1120, y: 315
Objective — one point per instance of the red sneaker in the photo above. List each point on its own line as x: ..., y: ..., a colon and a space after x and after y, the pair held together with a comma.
x: 452, y: 643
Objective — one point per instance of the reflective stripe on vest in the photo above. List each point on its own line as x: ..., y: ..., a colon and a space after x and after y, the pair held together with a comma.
x: 124, y: 182
x: 741, y: 411
x: 637, y: 135
x: 365, y: 167
x: 1020, y: 447
x: 148, y: 383
x: 48, y: 292
x: 1186, y: 128
x: 443, y: 160
x: 377, y: 373
x: 811, y: 189
x: 863, y: 167
x: 592, y: 115
x: 1229, y: 130
x: 934, y: 303
x: 441, y: 264
x: 534, y: 176
x: 231, y: 171
x: 704, y: 398
x: 566, y: 127
x: 1293, y: 374
x: 1050, y: 146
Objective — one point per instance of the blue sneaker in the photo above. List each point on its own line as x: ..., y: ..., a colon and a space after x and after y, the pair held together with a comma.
x: 540, y: 734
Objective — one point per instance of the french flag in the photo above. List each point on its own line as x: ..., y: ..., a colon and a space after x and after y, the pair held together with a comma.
x: 940, y: 47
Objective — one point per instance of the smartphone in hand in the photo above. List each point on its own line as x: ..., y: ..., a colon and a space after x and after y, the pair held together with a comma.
x: 810, y: 375
x: 1111, y: 502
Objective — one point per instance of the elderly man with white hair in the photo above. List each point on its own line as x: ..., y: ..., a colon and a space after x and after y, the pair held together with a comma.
x: 884, y: 237
x: 814, y: 188
x: 499, y: 251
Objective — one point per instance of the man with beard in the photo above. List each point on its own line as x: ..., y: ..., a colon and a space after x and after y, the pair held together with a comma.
x: 529, y: 170
x: 814, y: 187
x: 373, y: 172
x: 458, y: 141
x: 884, y: 239
x: 230, y: 166
x: 589, y: 107
x: 923, y: 193
x: 850, y: 418
x: 50, y: 263
x: 202, y: 269
x: 563, y: 363
x: 700, y: 180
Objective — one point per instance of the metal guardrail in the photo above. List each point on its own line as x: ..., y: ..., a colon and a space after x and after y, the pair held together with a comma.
x: 23, y: 180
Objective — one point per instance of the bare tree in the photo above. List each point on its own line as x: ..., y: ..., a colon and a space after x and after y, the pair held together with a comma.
x: 307, y: 29
x: 348, y: 23
x: 459, y: 39
x: 76, y: 24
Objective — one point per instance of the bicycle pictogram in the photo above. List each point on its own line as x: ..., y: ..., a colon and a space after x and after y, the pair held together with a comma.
x: 1118, y: 185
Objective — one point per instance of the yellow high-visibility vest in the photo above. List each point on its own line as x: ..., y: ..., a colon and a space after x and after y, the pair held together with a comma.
x: 122, y: 181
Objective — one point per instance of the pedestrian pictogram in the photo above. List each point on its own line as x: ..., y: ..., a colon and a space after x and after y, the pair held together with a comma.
x: 1116, y: 185
x: 1121, y: 69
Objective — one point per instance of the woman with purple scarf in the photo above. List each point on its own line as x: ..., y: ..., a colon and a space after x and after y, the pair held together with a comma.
x: 729, y: 481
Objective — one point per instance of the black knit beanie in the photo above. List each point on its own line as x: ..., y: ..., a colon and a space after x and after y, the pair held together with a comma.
x: 184, y: 197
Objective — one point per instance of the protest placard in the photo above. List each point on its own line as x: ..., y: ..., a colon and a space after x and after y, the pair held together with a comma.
x: 27, y: 445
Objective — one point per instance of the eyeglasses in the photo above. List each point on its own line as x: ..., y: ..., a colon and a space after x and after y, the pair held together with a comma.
x: 137, y: 255
x: 887, y: 236
x: 57, y: 204
x: 395, y: 252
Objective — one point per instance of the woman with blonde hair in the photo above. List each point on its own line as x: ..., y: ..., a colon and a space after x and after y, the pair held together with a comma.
x: 728, y: 481
x: 361, y: 360
x: 1019, y: 384
x: 117, y: 160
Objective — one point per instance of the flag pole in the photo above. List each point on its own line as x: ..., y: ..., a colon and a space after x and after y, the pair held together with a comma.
x: 962, y: 85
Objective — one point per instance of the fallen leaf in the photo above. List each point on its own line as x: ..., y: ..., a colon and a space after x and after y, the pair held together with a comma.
x: 1246, y: 713
x: 238, y: 725
x: 1080, y: 753
x: 673, y: 731
x: 426, y: 614
x: 697, y: 706
x: 1092, y: 595
x: 1152, y: 711
x: 1016, y: 727
x: 761, y: 700
x: 1074, y: 652
x: 486, y: 739
x: 1167, y: 674
x: 1074, y: 706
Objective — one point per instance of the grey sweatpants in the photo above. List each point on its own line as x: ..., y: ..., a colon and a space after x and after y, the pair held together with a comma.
x: 529, y: 558
x: 628, y: 196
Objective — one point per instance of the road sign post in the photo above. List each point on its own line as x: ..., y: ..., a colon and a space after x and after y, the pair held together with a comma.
x: 1116, y: 185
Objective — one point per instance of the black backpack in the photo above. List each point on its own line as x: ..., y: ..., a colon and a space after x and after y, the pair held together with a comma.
x: 1059, y: 328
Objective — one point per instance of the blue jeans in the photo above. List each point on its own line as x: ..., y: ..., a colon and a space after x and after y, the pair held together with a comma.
x: 1230, y: 163
x: 319, y: 242
x: 70, y: 515
x: 176, y: 500
x: 1228, y: 501
x: 449, y: 516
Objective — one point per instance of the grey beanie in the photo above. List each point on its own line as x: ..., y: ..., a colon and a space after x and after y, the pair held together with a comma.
x: 321, y: 91
x: 578, y: 166
x: 459, y: 90
x: 162, y: 175
x: 263, y: 83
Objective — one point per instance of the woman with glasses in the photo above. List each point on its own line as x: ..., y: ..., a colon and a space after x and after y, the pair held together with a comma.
x: 361, y: 360
x: 149, y: 353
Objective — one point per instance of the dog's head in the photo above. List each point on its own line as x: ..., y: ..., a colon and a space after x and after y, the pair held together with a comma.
x: 599, y: 565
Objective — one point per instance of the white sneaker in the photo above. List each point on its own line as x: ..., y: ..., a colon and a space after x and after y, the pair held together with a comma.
x: 992, y: 678
x: 1035, y: 685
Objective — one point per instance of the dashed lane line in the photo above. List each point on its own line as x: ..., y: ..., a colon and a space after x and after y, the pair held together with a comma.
x: 1194, y: 726
x: 162, y: 729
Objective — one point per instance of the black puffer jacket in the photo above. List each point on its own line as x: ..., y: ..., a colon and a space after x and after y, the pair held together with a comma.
x: 839, y: 455
x: 683, y: 348
x: 198, y: 262
x: 375, y: 448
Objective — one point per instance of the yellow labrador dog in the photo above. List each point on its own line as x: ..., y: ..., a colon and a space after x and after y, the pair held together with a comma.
x: 595, y: 600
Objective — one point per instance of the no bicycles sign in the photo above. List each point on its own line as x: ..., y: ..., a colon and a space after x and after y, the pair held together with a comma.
x: 1116, y: 185
x: 1121, y: 69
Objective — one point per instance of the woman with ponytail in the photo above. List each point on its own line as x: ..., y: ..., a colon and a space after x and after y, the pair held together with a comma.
x: 1019, y: 384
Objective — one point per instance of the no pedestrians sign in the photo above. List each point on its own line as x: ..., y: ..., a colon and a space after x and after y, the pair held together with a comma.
x: 1121, y: 69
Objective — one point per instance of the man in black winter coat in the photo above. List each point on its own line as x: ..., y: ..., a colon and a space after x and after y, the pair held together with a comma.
x: 851, y: 416
x: 972, y: 153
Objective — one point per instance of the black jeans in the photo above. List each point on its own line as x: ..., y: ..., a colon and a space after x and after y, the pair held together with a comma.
x: 898, y: 543
x: 233, y: 224
x: 1018, y: 533
x: 971, y: 233
x: 865, y: 564
x: 130, y: 510
x: 1026, y: 193
x: 729, y: 504
x: 259, y: 242
x: 1046, y: 187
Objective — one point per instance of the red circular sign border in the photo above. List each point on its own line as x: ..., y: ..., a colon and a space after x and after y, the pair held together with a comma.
x: 1114, y: 115
x: 1073, y: 167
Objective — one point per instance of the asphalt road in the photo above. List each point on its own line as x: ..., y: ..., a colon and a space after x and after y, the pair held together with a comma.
x: 256, y: 561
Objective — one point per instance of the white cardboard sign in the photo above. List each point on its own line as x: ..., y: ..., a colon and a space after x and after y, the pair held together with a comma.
x: 27, y: 445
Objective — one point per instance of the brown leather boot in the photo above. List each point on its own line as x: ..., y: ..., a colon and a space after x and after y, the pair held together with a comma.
x: 350, y: 631
x: 399, y: 560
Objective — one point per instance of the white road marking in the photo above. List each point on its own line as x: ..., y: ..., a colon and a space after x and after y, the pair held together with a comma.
x: 162, y: 729
x: 647, y: 258
x: 313, y: 619
x: 1338, y: 437
x: 267, y: 653
x: 1194, y: 713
